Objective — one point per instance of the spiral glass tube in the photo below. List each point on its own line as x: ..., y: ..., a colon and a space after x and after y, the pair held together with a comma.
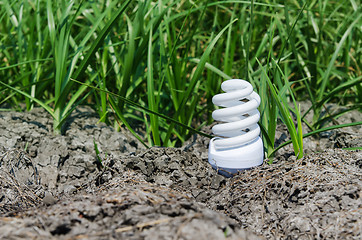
x: 238, y: 145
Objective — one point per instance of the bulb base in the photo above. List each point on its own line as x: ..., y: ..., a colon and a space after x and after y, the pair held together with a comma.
x: 229, y: 161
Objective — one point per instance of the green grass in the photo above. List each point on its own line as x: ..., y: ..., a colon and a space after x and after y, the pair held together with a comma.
x: 157, y: 64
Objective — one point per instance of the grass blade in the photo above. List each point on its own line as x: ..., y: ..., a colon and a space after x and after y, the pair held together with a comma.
x: 284, y: 110
x: 151, y: 94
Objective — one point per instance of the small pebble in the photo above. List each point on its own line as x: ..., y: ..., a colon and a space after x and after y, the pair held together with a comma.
x: 70, y: 189
x: 49, y: 199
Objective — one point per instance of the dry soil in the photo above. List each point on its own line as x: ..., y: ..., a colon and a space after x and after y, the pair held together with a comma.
x: 53, y: 187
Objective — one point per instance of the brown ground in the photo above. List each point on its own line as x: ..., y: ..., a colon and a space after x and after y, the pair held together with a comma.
x: 52, y: 188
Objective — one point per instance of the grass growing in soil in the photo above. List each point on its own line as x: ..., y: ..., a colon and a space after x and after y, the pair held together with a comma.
x: 157, y: 64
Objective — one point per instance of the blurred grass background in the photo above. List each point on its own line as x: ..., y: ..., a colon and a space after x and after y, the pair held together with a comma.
x: 157, y: 64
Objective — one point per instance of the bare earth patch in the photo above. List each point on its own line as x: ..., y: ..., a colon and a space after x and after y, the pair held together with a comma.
x: 52, y: 188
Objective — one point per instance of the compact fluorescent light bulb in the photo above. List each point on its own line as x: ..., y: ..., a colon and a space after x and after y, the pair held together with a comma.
x: 238, y: 145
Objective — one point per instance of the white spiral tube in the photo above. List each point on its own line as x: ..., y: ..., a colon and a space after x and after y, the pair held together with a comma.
x: 238, y: 144
x: 241, y: 117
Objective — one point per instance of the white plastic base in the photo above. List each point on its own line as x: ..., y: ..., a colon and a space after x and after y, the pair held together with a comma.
x: 228, y: 162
